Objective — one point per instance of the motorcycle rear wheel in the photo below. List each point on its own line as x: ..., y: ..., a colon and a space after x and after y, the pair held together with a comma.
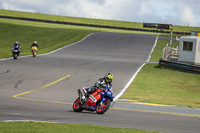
x: 102, y: 108
x: 77, y: 106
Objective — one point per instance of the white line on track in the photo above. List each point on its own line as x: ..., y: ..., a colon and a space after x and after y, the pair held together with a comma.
x: 135, y: 74
x: 14, y: 113
x: 127, y: 85
x: 51, y: 51
x: 68, y: 45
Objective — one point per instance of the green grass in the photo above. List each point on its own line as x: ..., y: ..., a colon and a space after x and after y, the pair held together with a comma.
x: 42, y: 127
x: 158, y: 50
x: 48, y: 38
x: 61, y: 26
x: 54, y: 36
x: 71, y: 19
x: 164, y: 86
x: 89, y: 21
x: 152, y: 84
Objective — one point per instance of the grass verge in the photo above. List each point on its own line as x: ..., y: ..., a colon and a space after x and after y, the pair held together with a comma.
x: 43, y: 127
x: 88, y: 20
x: 52, y: 36
x: 48, y: 39
x: 164, y: 86
x: 152, y: 84
x: 48, y: 36
x: 158, y: 50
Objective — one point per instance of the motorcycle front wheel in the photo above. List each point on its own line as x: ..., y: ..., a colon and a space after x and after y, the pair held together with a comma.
x: 15, y: 56
x: 77, y: 106
x: 34, y: 54
x: 103, y: 107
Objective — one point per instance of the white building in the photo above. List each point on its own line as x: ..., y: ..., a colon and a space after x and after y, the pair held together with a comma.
x: 189, y: 49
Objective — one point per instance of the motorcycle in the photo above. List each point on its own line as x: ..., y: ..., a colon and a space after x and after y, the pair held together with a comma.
x: 34, y: 51
x: 15, y: 53
x: 98, y: 101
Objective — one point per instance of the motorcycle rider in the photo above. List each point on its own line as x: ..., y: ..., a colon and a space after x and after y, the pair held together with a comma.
x: 17, y: 46
x: 35, y: 44
x: 101, y: 84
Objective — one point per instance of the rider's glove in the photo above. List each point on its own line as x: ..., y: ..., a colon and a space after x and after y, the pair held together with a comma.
x: 104, y: 85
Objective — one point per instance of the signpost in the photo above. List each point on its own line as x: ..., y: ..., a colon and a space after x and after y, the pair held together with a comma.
x: 171, y: 40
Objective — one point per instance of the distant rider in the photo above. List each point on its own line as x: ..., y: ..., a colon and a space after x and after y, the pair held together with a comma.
x: 16, y: 46
x: 102, y: 83
x: 35, y: 44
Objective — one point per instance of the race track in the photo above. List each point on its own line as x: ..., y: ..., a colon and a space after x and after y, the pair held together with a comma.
x: 43, y: 88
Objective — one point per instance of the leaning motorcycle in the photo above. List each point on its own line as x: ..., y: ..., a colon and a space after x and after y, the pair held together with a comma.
x: 98, y: 101
x: 15, y: 53
x: 34, y: 51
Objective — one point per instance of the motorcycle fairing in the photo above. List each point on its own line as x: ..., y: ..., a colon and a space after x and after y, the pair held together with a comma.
x: 94, y: 97
x: 97, y: 99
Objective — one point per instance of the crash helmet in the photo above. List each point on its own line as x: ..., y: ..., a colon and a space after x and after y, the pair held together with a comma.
x: 35, y: 42
x: 108, y: 77
x: 16, y: 43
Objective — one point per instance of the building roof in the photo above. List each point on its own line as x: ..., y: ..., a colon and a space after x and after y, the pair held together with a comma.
x: 189, y: 37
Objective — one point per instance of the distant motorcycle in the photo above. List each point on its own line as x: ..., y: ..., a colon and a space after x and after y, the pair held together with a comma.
x: 34, y: 51
x: 15, y: 53
x: 98, y: 101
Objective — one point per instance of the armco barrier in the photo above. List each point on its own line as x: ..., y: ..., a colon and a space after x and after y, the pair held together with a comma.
x: 91, y: 25
x: 179, y: 66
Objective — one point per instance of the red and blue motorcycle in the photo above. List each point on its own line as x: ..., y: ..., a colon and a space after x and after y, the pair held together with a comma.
x: 98, y: 101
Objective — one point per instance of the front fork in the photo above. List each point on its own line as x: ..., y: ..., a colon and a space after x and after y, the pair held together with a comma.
x: 80, y: 95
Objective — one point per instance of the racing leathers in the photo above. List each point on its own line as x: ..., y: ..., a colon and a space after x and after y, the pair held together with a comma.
x: 35, y: 44
x: 16, y: 47
x: 101, y: 84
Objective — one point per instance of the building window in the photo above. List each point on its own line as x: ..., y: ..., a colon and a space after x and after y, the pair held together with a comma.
x: 187, y: 46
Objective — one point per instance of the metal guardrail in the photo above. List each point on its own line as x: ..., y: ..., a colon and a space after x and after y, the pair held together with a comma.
x: 92, y: 25
x: 179, y: 66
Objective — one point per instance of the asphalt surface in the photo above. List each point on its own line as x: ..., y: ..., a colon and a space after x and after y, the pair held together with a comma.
x: 43, y: 88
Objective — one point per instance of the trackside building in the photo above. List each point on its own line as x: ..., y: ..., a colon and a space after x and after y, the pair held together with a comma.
x: 189, y: 49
